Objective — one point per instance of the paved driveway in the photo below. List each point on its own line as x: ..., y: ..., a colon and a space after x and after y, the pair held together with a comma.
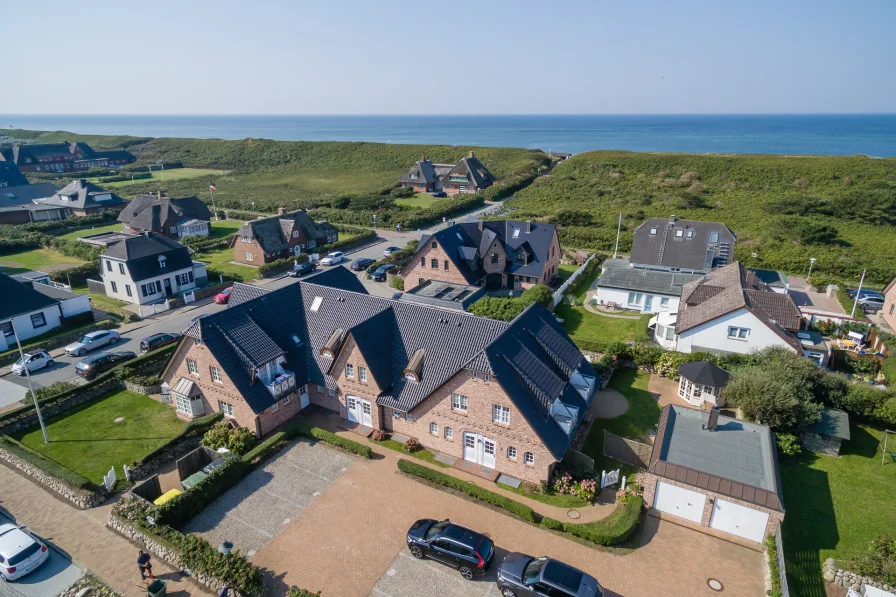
x: 55, y: 575
x: 252, y: 512
x: 409, y: 577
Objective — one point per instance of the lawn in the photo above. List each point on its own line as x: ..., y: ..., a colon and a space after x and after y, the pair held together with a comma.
x: 835, y: 507
x: 565, y: 271
x: 584, y: 326
x: 88, y: 440
x: 419, y: 200
x: 103, y: 302
x: 557, y: 499
x: 221, y: 228
x: 422, y: 454
x: 167, y: 175
x: 642, y: 415
x: 47, y: 260
x: 116, y: 227
x: 220, y: 260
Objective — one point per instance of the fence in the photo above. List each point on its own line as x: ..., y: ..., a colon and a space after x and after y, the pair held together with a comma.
x: 782, y: 571
x: 195, y: 461
x: 558, y: 296
x: 610, y: 478
x: 150, y: 310
x: 109, y: 479
x: 189, y: 297
x: 149, y: 490
x: 626, y: 450
x: 96, y: 287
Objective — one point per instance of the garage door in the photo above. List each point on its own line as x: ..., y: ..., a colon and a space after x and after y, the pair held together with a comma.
x: 738, y: 520
x: 679, y: 501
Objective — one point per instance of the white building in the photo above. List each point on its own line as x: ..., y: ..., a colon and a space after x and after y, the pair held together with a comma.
x: 30, y: 309
x: 623, y: 286
x: 149, y: 269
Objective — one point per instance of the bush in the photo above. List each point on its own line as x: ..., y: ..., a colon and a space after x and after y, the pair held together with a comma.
x: 222, y: 435
x: 879, y: 560
x: 195, y: 427
x: 340, y: 442
x: 771, y: 550
x: 265, y: 446
x: 470, y: 489
x: 297, y: 592
x: 888, y: 369
x: 378, y: 435
x: 550, y: 523
x: 506, y: 309
x: 51, y: 390
x: 277, y: 266
x: 190, y: 503
x: 615, y: 528
x: 411, y: 446
x: 397, y: 283
x: 788, y: 444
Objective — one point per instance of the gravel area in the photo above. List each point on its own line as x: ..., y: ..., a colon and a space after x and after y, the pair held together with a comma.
x: 257, y: 508
x: 409, y: 577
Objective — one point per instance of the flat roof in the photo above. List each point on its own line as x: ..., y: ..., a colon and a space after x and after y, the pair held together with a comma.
x: 444, y: 294
x: 104, y: 239
x: 619, y: 274
x: 771, y: 277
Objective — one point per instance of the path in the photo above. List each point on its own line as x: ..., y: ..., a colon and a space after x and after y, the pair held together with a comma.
x: 84, y: 535
x: 592, y: 309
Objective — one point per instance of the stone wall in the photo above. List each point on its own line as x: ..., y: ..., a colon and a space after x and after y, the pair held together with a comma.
x: 148, y: 468
x: 82, y: 498
x: 27, y: 418
x: 626, y: 450
x: 833, y: 573
x: 89, y: 586
x: 141, y: 389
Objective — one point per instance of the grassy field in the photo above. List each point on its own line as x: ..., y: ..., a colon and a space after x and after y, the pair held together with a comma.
x: 168, y: 176
x: 116, y: 227
x: 565, y: 271
x: 835, y: 507
x: 220, y: 260
x: 778, y: 206
x: 582, y: 325
x: 221, y: 228
x: 89, y: 441
x: 46, y: 260
x: 419, y: 200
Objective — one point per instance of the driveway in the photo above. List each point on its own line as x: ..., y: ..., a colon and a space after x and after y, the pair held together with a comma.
x: 55, y: 575
x: 409, y: 577
x: 252, y: 512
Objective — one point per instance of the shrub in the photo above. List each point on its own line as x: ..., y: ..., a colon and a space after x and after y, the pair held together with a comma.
x: 216, y: 437
x: 297, y: 592
x: 190, y: 503
x: 194, y: 427
x: 788, y: 444
x: 222, y: 435
x: 378, y: 435
x: 340, y: 442
x: 888, y: 369
x: 397, y: 283
x: 879, y: 560
x: 51, y: 390
x: 470, y: 489
x: 411, y: 445
x: 771, y: 551
x: 278, y: 265
x: 240, y: 440
x: 266, y: 446
x: 550, y: 523
x: 506, y: 309
x: 615, y: 528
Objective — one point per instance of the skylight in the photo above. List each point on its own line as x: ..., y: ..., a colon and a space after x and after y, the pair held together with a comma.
x: 296, y: 340
x: 315, y: 305
x: 516, y: 233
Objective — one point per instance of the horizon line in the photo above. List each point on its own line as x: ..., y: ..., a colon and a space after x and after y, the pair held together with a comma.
x: 416, y: 115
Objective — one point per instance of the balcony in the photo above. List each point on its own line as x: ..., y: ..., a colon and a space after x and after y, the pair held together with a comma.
x: 283, y: 383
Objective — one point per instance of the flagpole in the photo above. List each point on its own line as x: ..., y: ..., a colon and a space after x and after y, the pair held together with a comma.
x: 212, y: 193
x: 618, y: 231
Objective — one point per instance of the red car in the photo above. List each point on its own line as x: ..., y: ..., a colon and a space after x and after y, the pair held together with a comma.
x: 222, y: 297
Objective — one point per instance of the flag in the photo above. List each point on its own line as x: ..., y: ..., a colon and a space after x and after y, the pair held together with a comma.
x: 212, y: 187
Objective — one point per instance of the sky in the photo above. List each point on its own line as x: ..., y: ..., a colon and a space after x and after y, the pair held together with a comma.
x: 459, y: 57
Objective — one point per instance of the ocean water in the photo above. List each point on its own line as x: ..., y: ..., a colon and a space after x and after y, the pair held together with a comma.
x: 873, y: 135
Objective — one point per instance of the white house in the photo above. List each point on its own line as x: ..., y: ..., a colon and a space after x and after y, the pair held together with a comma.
x: 149, y: 268
x: 30, y: 309
x: 623, y: 286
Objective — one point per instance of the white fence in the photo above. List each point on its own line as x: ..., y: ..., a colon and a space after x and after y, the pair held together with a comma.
x: 558, y: 296
x: 109, y: 479
x: 150, y: 310
x: 610, y: 478
x: 189, y: 297
x: 779, y: 544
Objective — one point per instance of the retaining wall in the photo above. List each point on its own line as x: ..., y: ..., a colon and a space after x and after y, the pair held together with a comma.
x: 82, y: 498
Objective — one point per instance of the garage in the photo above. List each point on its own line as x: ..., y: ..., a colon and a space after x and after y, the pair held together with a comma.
x: 679, y: 501
x: 741, y: 521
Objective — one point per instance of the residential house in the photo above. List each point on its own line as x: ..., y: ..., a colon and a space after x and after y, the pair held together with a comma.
x: 715, y: 472
x: 149, y: 268
x: 174, y: 218
x: 499, y: 254
x: 10, y: 175
x: 888, y: 313
x: 666, y: 255
x: 288, y: 233
x: 17, y: 204
x: 31, y: 308
x: 62, y: 157
x: 730, y: 311
x: 468, y: 176
x: 506, y: 397
x: 82, y: 198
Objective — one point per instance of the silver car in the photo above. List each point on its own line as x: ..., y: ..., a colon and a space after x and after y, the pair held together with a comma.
x: 20, y: 552
x: 92, y: 341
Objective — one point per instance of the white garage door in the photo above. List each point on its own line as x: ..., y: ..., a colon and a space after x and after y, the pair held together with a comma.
x: 742, y: 521
x: 679, y: 501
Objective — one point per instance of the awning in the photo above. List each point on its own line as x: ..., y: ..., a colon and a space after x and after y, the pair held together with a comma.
x: 185, y: 387
x: 652, y: 322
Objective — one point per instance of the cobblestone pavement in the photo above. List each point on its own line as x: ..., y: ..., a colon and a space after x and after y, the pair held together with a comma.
x: 409, y: 577
x: 257, y: 508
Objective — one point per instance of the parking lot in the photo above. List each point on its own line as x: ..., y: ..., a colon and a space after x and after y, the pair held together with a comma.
x: 409, y: 577
x: 257, y: 508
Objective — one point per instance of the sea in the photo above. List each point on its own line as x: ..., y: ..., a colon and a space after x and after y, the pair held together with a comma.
x: 845, y: 134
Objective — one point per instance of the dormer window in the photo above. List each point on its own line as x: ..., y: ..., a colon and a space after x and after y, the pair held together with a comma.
x: 653, y: 231
x: 679, y: 233
x: 415, y: 366
x: 162, y: 262
x: 413, y: 177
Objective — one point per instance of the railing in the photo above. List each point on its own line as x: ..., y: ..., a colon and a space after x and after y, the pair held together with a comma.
x: 150, y: 310
x: 282, y: 384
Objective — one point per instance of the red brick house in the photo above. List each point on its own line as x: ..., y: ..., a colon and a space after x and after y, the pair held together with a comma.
x: 425, y: 176
x: 468, y: 176
x: 507, y: 397
x: 63, y: 157
x: 288, y: 233
x: 499, y: 254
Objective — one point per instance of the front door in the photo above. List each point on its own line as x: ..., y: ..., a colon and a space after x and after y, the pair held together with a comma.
x: 168, y: 287
x: 304, y: 400
x: 648, y: 303
x: 479, y: 449
x: 359, y: 411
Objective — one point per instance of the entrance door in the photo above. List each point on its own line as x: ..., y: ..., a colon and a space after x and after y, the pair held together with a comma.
x: 479, y: 449
x: 304, y: 400
x: 679, y: 501
x: 648, y: 303
x: 744, y: 522
x: 359, y: 411
x: 168, y: 287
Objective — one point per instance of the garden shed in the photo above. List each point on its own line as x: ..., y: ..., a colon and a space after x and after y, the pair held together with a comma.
x: 701, y: 383
x: 826, y: 436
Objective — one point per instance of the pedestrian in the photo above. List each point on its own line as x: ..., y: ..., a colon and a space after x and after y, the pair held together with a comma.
x: 225, y: 591
x: 143, y: 562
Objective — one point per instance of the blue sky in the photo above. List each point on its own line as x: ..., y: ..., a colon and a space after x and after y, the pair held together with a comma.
x: 459, y: 57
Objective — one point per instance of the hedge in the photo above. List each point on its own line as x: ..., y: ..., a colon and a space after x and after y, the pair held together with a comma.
x: 470, y: 489
x: 340, y: 442
x: 612, y: 530
x: 197, y: 426
x: 56, y: 341
x: 263, y: 447
x: 122, y: 178
x: 51, y: 467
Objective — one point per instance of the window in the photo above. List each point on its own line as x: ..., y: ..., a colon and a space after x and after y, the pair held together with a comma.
x: 434, y: 263
x: 516, y: 233
x: 192, y: 367
x: 276, y: 407
x: 108, y: 265
x: 446, y: 265
x: 312, y: 244
x: 670, y: 333
x: 216, y: 374
x: 501, y: 414
x: 349, y: 370
x: 511, y: 452
x: 891, y: 307
x: 494, y: 258
x: 162, y: 262
x: 635, y: 298
x: 433, y: 428
x: 449, y: 433
x: 331, y: 391
x: 529, y: 458
x: 38, y: 320
x: 362, y: 374
x: 127, y: 289
x: 248, y: 256
x: 691, y: 233
x: 736, y: 333
x: 459, y: 402
x: 433, y: 244
x: 114, y: 287
x: 410, y: 418
x: 653, y: 231
x: 664, y: 302
x: 396, y: 414
x: 679, y: 233
x: 713, y: 237
x: 286, y: 401
x: 121, y: 268
x: 320, y: 389
x: 225, y: 408
x: 295, y: 234
x: 189, y: 406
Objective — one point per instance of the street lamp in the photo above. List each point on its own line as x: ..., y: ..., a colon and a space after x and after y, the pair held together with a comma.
x: 809, y: 276
x: 225, y: 549
x: 40, y: 418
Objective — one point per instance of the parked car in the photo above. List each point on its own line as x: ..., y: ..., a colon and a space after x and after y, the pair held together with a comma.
x: 362, y: 263
x: 222, y: 297
x: 440, y: 194
x: 158, y: 340
x: 93, y: 365
x: 865, y: 292
x: 520, y: 575
x: 92, y: 341
x: 448, y: 542
x: 872, y: 303
x: 380, y: 274
x: 390, y: 250
x: 301, y: 269
x: 33, y: 360
x: 333, y: 258
x: 20, y: 552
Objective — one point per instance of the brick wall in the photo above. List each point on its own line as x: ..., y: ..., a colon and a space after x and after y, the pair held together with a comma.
x: 889, y: 311
x: 498, y: 267
x: 626, y: 450
x: 650, y: 480
x: 420, y: 267
x: 369, y: 390
x: 240, y: 249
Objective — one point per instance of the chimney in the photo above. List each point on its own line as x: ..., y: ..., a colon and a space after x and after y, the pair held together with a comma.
x: 673, y: 219
x: 159, y: 194
x: 472, y: 155
x: 713, y: 421
x: 528, y: 226
x: 423, y: 158
x: 281, y: 210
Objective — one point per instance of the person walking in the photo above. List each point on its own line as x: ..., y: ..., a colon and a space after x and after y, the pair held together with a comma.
x: 225, y: 591
x: 144, y: 564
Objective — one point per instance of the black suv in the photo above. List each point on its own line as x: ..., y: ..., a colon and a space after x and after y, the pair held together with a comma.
x: 362, y: 263
x: 301, y: 269
x: 380, y: 274
x: 468, y: 551
x: 157, y: 341
x: 520, y: 575
x: 93, y: 365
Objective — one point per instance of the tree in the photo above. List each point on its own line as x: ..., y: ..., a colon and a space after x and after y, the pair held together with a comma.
x: 538, y: 294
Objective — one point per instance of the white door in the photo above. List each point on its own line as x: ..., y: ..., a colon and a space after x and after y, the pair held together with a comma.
x: 304, y: 400
x: 679, y: 501
x: 351, y: 409
x: 744, y: 522
x: 648, y: 303
x: 366, y: 413
x: 359, y: 411
x: 480, y: 449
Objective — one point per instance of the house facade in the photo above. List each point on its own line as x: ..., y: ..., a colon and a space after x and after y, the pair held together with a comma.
x: 504, y: 396
x: 30, y: 309
x: 468, y: 176
x: 888, y: 313
x: 62, y: 157
x: 171, y: 217
x: 82, y: 198
x: 493, y: 255
x: 148, y: 269
x: 289, y: 233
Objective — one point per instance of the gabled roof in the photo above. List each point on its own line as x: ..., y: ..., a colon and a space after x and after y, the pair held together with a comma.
x: 150, y: 211
x: 472, y: 168
x: 704, y: 373
x: 270, y: 235
x: 10, y: 176
x: 421, y: 172
x: 694, y: 249
x: 26, y: 194
x: 82, y: 194
x: 141, y: 253
x: 19, y: 298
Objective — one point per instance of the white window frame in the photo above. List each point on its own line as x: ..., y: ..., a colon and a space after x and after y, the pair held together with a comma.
x: 434, y: 428
x: 193, y: 367
x: 738, y: 333
x: 500, y: 414
x: 349, y: 370
x: 362, y: 374
x: 331, y: 392
x: 249, y: 256
x: 529, y: 458
x: 449, y: 433
x: 216, y: 374
x: 638, y: 296
x: 275, y: 407
x: 320, y: 389
x: 511, y: 452
x: 459, y: 403
x: 226, y: 408
x: 653, y: 231
x: 664, y: 302
x: 188, y: 406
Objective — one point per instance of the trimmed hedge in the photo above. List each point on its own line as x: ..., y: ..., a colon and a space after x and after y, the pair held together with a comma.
x: 191, y: 502
x: 263, y: 447
x: 612, y: 530
x: 197, y: 426
x: 340, y: 442
x: 51, y: 467
x: 470, y: 489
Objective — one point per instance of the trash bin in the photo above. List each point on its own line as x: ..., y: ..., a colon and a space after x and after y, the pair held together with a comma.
x: 157, y: 588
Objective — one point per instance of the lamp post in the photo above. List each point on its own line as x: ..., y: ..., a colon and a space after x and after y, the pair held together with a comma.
x: 809, y: 275
x: 225, y: 549
x: 40, y: 418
